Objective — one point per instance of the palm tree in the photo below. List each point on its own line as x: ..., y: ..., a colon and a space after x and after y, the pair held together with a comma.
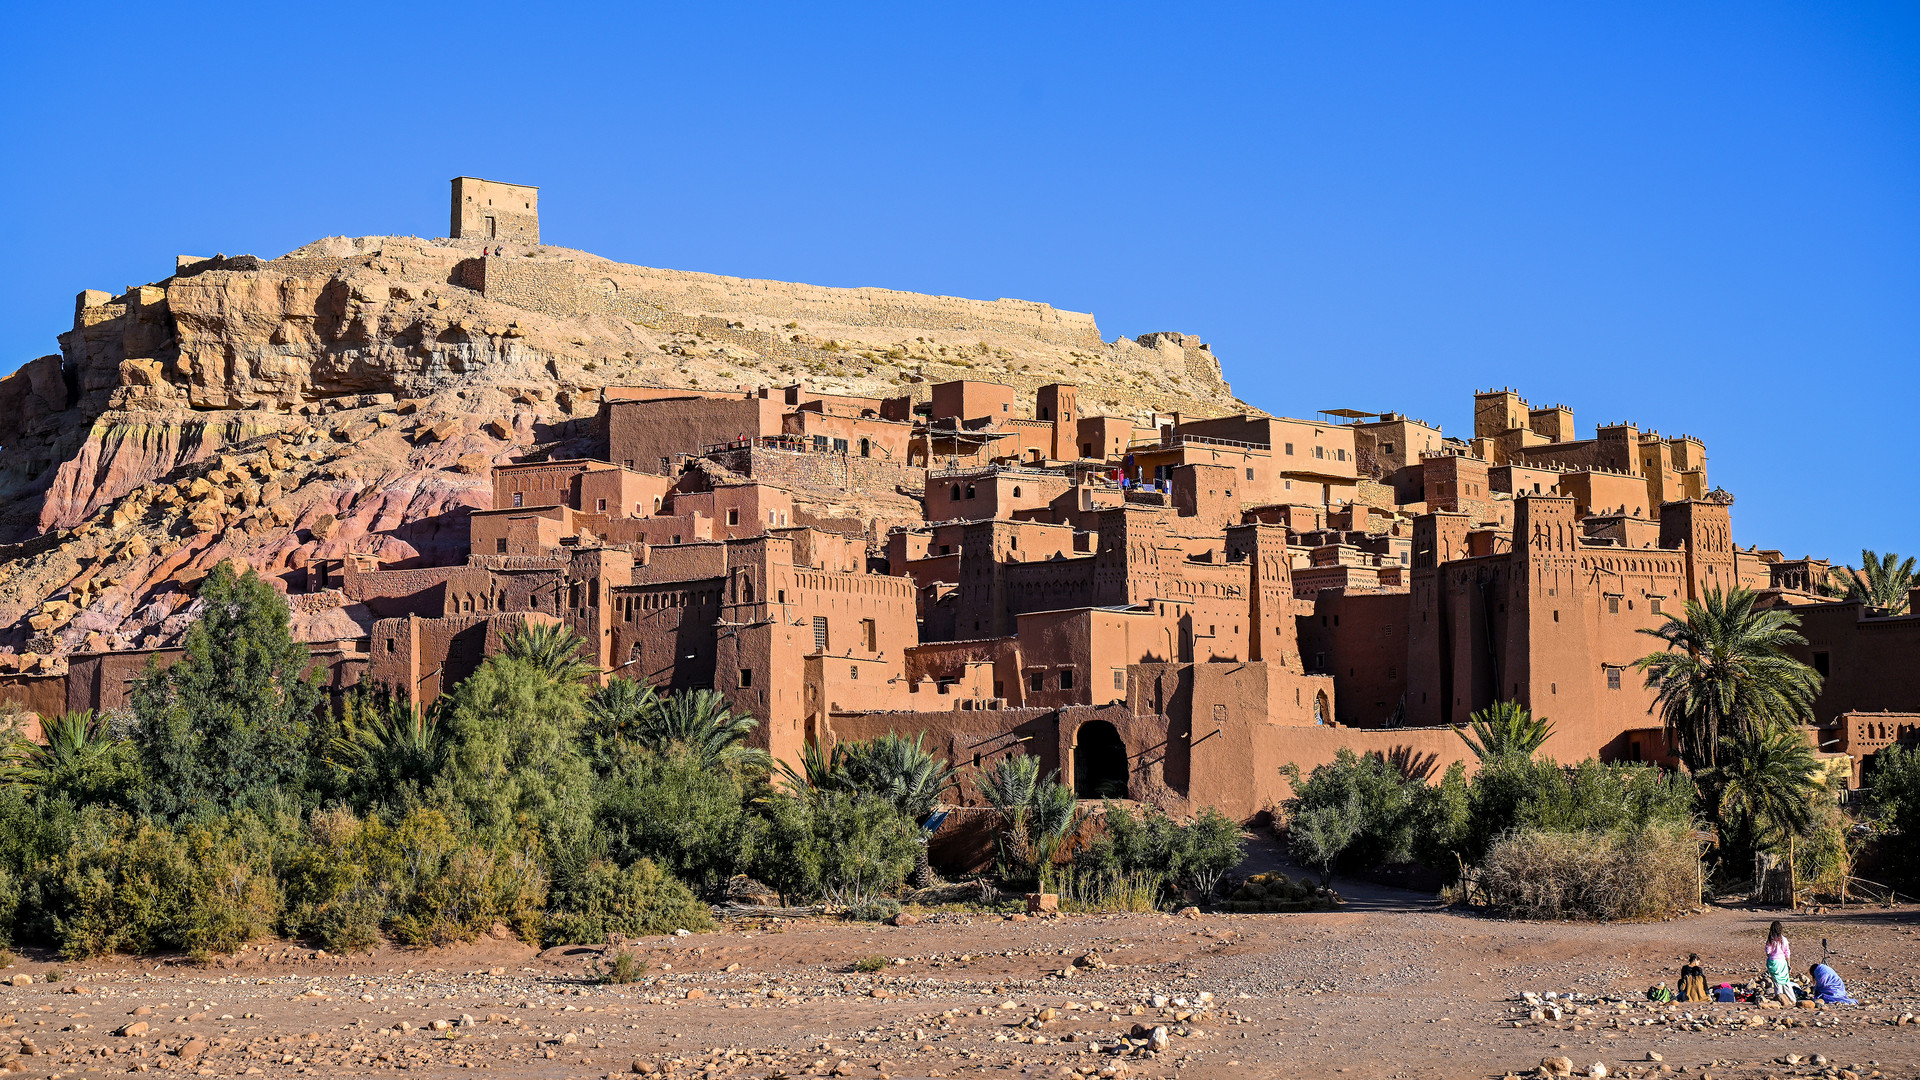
x: 387, y: 742
x: 1768, y: 781
x: 1883, y: 584
x: 699, y: 722
x: 75, y: 741
x: 1505, y: 727
x: 552, y: 648
x: 892, y: 767
x: 1037, y: 815
x: 899, y: 770
x: 1725, y: 671
x: 617, y: 714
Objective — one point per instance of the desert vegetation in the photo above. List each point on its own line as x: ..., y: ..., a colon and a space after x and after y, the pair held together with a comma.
x: 1532, y: 837
x: 232, y: 799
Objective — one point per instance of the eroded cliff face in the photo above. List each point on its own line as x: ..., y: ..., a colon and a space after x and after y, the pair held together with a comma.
x: 351, y: 396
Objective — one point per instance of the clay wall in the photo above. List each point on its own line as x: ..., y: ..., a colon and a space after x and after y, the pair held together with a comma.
x: 390, y: 593
x: 1456, y: 484
x: 1360, y: 638
x: 1103, y: 438
x: 1607, y: 493
x: 646, y: 436
x: 737, y: 510
x: 969, y: 400
x: 822, y: 472
x: 885, y: 440
x: 618, y: 493
x: 997, y: 493
x: 1866, y: 662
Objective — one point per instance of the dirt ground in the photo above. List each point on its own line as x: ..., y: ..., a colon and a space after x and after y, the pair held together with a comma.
x: 1390, y: 987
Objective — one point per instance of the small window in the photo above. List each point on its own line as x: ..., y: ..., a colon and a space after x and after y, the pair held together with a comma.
x: 519, y: 498
x: 1556, y: 615
x: 500, y: 546
x: 746, y: 677
x: 819, y: 633
x: 868, y: 635
x: 1613, y: 605
x: 1086, y: 449
x: 782, y: 595
x: 1038, y: 682
x: 1613, y: 678
x: 1016, y: 491
x: 1066, y: 678
x: 970, y: 491
x: 1655, y: 602
x: 839, y: 446
x: 733, y: 517
x: 1822, y: 662
x: 853, y: 672
x: 1119, y: 678
x: 1289, y: 449
x: 1249, y: 474
x: 600, y: 505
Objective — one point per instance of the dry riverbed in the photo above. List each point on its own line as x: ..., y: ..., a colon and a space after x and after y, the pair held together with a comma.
x: 1375, y: 993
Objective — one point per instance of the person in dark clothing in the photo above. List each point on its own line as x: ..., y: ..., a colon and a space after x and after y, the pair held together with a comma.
x: 1693, y: 980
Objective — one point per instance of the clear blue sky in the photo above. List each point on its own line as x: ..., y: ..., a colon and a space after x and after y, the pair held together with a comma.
x: 1701, y: 217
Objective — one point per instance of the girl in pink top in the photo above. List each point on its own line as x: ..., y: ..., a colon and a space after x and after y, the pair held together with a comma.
x: 1779, y: 966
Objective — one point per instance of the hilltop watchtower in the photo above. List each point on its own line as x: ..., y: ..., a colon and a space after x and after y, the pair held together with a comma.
x: 490, y: 210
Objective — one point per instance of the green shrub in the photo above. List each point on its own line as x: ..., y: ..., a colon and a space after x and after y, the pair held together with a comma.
x: 1193, y: 855
x: 1893, y: 798
x: 685, y: 816
x: 1356, y: 810
x: 450, y: 889
x: 138, y: 887
x: 871, y: 964
x: 1085, y: 890
x: 339, y: 882
x: 622, y: 968
x: 1624, y: 873
x: 843, y: 847
x: 238, y: 715
x: 605, y: 901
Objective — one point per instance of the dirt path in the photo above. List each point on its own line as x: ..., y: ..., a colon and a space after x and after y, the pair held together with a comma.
x: 1355, y: 993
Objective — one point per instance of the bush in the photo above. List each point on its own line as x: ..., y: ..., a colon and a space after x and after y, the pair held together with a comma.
x: 1623, y: 873
x: 129, y: 886
x: 1893, y: 798
x: 686, y: 817
x: 605, y: 901
x: 870, y: 964
x: 422, y: 881
x: 848, y: 848
x: 449, y: 889
x: 1194, y: 855
x: 1084, y: 890
x: 624, y: 967
x: 235, y: 717
x: 1363, y: 800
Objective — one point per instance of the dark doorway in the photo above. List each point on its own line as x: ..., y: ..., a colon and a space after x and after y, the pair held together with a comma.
x: 1099, y: 762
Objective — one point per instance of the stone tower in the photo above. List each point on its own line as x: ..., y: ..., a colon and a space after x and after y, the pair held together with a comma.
x: 490, y: 210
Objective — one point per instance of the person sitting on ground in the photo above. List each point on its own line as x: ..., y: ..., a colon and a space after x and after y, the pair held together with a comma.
x: 1726, y: 992
x: 1693, y: 980
x: 1779, y: 963
x: 1827, y: 986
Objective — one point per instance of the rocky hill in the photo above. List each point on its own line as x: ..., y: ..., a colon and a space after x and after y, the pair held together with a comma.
x: 351, y: 396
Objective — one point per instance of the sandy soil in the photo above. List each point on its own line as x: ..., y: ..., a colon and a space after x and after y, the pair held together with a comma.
x: 1392, y: 988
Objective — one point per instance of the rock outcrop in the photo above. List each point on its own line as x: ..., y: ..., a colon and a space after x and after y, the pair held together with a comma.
x: 351, y: 396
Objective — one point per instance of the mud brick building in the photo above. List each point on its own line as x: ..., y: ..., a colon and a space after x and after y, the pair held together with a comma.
x: 1162, y: 607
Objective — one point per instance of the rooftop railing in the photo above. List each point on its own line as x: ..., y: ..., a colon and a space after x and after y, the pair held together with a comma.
x: 1174, y: 442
